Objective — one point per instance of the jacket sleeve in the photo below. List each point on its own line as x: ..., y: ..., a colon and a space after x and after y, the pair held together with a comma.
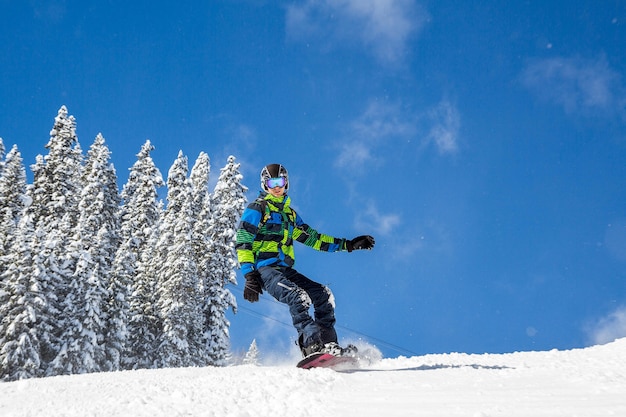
x: 246, y: 232
x: 304, y: 233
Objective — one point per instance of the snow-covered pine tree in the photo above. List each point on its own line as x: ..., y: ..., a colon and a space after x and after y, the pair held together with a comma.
x: 228, y: 202
x: 2, y: 150
x: 46, y: 307
x: 12, y: 202
x: 178, y: 292
x: 55, y: 193
x: 57, y: 186
x: 201, y: 239
x: 104, y: 175
x: 252, y: 355
x: 115, y: 304
x: 20, y: 307
x: 19, y: 346
x: 201, y: 211
x: 140, y: 217
x: 92, y: 245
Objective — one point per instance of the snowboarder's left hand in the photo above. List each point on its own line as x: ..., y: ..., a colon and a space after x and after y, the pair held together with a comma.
x: 360, y: 242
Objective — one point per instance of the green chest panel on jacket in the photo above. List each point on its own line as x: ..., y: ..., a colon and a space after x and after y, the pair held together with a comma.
x: 275, y: 222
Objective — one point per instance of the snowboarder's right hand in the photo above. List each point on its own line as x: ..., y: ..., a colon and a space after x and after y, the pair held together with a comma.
x: 253, y: 286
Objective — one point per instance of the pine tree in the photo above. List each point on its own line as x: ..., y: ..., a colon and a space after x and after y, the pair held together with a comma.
x: 201, y: 239
x: 20, y: 306
x: 201, y: 211
x: 101, y: 174
x: 252, y: 355
x: 12, y: 201
x: 93, y: 242
x: 140, y: 217
x: 19, y: 346
x: 179, y: 290
x: 228, y: 202
x: 32, y: 236
x: 54, y: 212
x: 57, y: 176
x: 2, y: 150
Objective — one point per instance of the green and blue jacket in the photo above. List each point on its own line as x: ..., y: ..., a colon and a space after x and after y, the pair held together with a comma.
x: 267, y: 230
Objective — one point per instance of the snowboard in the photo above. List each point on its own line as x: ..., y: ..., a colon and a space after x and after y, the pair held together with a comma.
x: 326, y: 360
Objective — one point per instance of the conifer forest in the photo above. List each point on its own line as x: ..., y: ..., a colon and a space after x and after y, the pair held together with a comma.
x: 94, y: 277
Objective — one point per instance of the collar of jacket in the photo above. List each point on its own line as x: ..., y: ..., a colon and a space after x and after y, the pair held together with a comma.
x: 280, y: 203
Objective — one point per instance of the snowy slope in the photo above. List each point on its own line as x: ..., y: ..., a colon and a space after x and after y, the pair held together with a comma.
x: 584, y: 382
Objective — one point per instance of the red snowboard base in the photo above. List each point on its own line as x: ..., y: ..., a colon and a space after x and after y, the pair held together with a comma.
x: 326, y: 360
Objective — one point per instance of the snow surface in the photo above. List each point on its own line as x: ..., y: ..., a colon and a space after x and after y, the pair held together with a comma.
x: 581, y: 382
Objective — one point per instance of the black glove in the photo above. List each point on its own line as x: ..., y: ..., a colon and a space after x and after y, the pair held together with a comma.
x: 360, y: 242
x: 253, y: 286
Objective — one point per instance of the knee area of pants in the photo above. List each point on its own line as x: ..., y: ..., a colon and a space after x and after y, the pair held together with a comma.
x: 331, y: 297
x: 304, y: 298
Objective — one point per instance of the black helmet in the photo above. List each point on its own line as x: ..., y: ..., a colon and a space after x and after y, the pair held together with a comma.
x: 273, y: 171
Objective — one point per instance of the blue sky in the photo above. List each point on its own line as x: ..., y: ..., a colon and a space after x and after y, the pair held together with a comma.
x: 482, y: 143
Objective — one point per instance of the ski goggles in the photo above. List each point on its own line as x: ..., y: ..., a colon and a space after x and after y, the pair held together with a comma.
x: 276, y: 182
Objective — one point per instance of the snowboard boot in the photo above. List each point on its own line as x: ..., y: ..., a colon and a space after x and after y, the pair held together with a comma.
x: 334, y: 349
x: 311, y: 349
x: 308, y: 350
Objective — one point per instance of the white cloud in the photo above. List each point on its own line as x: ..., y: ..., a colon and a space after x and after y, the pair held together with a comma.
x: 384, y: 27
x: 383, y: 124
x: 579, y: 85
x: 609, y: 328
x: 382, y: 224
x: 381, y: 120
x: 354, y: 155
x: 444, y: 132
x: 379, y: 123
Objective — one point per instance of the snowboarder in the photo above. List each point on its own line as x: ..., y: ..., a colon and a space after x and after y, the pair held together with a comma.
x: 265, y: 251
